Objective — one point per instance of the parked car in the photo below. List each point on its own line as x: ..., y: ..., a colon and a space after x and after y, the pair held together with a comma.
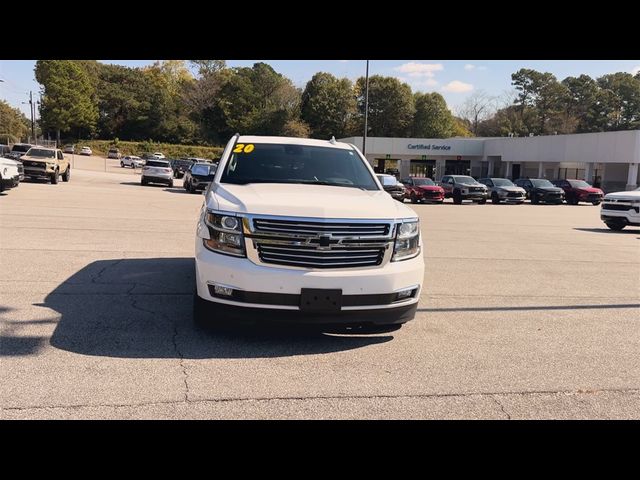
x: 132, y: 161
x: 159, y: 155
x: 541, y: 190
x: 86, y: 151
x: 157, y: 171
x: 69, y: 149
x: 198, y: 177
x: 422, y: 190
x: 9, y: 174
x: 18, y: 150
x: 499, y: 189
x: 463, y: 187
x: 48, y: 163
x: 620, y: 209
x: 180, y: 166
x: 114, y: 153
x: 392, y: 186
x: 299, y: 230
x: 576, y: 191
x: 4, y: 149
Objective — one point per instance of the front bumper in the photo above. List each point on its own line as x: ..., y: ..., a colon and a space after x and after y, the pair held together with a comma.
x: 629, y: 217
x: 38, y: 171
x: 10, y: 182
x: 367, y: 290
x: 431, y: 197
x: 200, y: 185
x: 156, y: 179
x: 474, y: 196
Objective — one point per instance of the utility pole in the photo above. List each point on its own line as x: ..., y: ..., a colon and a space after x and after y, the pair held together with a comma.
x: 33, y: 125
x: 366, y: 110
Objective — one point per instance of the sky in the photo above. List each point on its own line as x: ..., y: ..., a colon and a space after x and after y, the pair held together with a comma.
x: 456, y: 80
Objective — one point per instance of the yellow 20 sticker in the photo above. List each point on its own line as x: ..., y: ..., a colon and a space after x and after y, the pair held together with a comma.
x: 244, y: 148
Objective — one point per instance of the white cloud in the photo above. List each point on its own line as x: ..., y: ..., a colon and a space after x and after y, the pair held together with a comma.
x: 469, y: 66
x: 636, y: 70
x: 414, y: 69
x: 457, y: 86
x: 420, y: 83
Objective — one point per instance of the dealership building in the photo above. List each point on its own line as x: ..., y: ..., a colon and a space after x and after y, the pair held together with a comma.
x: 607, y: 159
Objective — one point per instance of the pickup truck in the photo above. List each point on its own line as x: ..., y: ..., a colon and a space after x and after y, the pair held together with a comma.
x: 620, y: 209
x: 301, y: 230
x: 47, y: 163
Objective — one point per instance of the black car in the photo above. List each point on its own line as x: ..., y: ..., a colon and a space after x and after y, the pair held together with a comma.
x: 541, y: 190
x: 198, y: 176
x: 392, y: 186
x: 180, y: 166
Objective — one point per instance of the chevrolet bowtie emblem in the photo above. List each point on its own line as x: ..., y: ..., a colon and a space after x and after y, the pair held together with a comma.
x: 324, y: 240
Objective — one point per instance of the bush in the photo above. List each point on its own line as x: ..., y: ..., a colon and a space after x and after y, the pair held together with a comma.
x: 101, y: 147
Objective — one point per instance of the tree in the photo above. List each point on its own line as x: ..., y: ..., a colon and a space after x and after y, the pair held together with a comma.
x: 543, y: 93
x: 391, y: 106
x: 582, y: 95
x: 13, y: 124
x: 432, y: 117
x: 296, y: 128
x: 621, y: 105
x: 208, y: 67
x: 478, y: 107
x: 67, y: 96
x: 328, y: 103
x: 461, y: 128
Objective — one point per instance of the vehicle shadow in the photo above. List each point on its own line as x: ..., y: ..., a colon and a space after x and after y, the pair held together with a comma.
x: 627, y: 230
x: 176, y: 190
x: 142, y: 308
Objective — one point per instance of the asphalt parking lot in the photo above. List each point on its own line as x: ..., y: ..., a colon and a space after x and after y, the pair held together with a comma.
x: 528, y: 311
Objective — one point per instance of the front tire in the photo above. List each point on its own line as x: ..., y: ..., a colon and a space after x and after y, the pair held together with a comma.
x: 54, y: 177
x: 457, y: 198
x: 495, y: 199
x: 143, y: 182
x: 121, y: 164
x: 170, y: 184
x: 482, y: 202
x: 414, y: 199
x: 595, y: 203
x: 534, y: 199
x: 67, y: 174
x: 616, y: 226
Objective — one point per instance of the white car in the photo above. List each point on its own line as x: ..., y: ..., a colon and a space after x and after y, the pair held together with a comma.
x: 132, y: 161
x: 159, y: 155
x: 620, y: 209
x: 9, y: 173
x: 86, y: 151
x: 157, y: 171
x: 300, y: 230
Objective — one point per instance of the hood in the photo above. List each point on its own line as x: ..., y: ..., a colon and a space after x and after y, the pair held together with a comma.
x: 317, y: 201
x: 632, y: 195
x: 508, y: 188
x: 589, y: 190
x: 550, y: 189
x: 29, y: 158
x: 9, y: 161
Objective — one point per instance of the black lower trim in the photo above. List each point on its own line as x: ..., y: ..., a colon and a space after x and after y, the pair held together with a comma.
x: 293, y: 299
x: 620, y: 220
x: 219, y: 312
x: 10, y: 182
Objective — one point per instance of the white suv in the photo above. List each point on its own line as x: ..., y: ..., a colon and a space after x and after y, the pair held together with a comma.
x: 620, y: 209
x: 157, y: 171
x: 301, y: 230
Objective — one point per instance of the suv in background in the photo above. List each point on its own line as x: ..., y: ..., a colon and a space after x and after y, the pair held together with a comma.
x: 69, y: 149
x: 198, y: 177
x: 503, y: 189
x: 49, y: 163
x: 620, y: 209
x: 18, y: 150
x: 541, y: 190
x: 180, y: 166
x: 392, y: 186
x: 423, y: 190
x: 463, y: 187
x: 114, y: 153
x: 157, y: 171
x: 131, y: 161
x: 86, y: 151
x: 576, y: 191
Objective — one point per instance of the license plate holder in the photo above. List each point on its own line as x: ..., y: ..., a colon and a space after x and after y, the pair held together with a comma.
x: 320, y: 300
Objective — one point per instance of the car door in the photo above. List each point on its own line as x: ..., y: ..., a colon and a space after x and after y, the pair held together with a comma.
x: 62, y: 161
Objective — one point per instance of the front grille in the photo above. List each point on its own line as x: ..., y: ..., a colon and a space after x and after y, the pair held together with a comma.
x: 312, y: 257
x: 305, y: 228
x: 515, y: 194
x: 319, y: 244
x: 623, y: 208
x: 476, y: 189
x: 431, y: 193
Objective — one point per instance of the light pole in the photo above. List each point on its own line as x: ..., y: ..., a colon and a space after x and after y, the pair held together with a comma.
x: 33, y: 127
x: 366, y: 110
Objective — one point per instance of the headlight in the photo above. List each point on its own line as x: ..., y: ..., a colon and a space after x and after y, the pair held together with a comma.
x: 225, y: 234
x: 407, y: 244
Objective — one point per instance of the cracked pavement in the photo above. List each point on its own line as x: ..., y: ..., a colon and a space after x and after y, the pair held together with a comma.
x: 528, y: 312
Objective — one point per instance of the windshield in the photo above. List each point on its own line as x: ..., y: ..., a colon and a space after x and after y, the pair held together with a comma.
x: 286, y: 163
x: 423, y: 181
x: 461, y: 179
x: 387, y: 180
x: 41, y: 152
x: 502, y: 182
x: 200, y: 169
x: 157, y: 163
x: 541, y: 183
x: 20, y: 148
x: 579, y: 184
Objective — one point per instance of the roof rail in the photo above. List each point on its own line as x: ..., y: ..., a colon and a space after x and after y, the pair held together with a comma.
x: 333, y: 140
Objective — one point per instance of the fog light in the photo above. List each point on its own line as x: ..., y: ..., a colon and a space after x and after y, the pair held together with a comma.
x: 220, y: 290
x: 404, y: 294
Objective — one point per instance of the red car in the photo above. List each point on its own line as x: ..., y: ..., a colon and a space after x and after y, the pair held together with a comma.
x: 576, y: 191
x: 423, y: 190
